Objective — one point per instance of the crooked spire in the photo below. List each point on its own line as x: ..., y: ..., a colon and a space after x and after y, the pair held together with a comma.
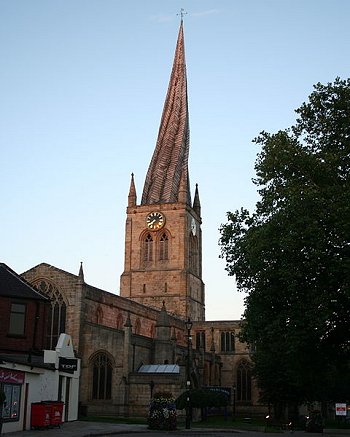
x: 169, y: 164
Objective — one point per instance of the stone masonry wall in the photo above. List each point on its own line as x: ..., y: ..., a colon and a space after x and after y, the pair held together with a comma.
x: 174, y: 280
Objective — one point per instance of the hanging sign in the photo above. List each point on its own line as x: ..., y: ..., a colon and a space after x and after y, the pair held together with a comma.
x: 11, y: 376
x: 69, y: 365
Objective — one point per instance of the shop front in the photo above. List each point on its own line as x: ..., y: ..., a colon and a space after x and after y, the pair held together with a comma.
x: 11, y: 384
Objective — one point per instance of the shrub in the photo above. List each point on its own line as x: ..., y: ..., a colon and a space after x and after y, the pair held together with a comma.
x: 162, y: 412
x: 202, y: 398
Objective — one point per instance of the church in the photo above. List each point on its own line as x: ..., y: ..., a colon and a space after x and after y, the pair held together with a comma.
x: 153, y: 336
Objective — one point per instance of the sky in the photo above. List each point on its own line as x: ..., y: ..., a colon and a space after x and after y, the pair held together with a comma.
x: 82, y: 88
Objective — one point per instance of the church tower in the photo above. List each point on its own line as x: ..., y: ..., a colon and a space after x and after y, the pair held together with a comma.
x: 163, y: 238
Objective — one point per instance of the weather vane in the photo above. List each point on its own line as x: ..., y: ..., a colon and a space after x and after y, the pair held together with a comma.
x: 182, y: 13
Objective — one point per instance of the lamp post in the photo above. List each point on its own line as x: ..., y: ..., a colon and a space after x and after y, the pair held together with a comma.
x: 233, y: 402
x: 151, y: 386
x: 188, y: 375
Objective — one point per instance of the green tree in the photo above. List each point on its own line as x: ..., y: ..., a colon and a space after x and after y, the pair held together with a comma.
x: 292, y: 254
x: 202, y: 398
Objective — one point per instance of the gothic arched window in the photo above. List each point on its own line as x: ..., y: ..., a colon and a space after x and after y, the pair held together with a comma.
x: 148, y: 248
x: 57, y: 314
x: 101, y: 366
x: 244, y: 382
x: 164, y: 247
x: 200, y: 340
x: 227, y: 341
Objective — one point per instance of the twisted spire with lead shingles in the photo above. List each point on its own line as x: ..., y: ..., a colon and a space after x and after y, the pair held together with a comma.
x: 169, y: 164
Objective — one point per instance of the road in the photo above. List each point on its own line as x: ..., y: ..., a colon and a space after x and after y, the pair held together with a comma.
x: 222, y: 433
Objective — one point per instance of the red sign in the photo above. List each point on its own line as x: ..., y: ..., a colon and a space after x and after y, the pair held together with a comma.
x: 11, y: 376
x: 340, y: 409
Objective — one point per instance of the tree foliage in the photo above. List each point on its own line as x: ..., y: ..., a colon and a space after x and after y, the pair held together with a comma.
x: 202, y: 398
x: 292, y: 254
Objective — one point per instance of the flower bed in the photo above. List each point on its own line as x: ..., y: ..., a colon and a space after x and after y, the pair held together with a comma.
x: 162, y: 412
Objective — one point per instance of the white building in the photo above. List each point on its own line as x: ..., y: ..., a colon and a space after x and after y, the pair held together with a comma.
x: 55, y: 378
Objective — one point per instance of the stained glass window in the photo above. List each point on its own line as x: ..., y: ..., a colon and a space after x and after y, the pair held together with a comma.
x: 57, y: 314
x: 244, y: 382
x: 101, y: 377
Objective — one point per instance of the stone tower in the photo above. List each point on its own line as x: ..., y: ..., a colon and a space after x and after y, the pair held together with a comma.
x: 163, y: 238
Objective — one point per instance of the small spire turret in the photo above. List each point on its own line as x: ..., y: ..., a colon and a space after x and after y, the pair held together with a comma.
x: 196, y: 202
x: 163, y: 319
x: 81, y: 274
x: 128, y: 322
x: 132, y: 198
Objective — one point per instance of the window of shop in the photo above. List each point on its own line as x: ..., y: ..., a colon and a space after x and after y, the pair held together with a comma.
x: 11, y: 382
x: 11, y: 406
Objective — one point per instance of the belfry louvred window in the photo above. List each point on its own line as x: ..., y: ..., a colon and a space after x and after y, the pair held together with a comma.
x: 164, y: 247
x: 148, y: 248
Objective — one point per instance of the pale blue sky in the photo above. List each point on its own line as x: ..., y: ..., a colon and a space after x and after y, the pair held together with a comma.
x: 82, y: 87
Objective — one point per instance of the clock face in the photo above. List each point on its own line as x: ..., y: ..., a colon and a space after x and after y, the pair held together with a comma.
x: 155, y: 220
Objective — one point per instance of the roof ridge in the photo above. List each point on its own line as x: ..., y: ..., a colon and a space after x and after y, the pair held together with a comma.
x: 22, y: 280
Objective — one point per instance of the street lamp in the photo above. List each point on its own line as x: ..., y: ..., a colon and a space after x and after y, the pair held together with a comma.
x: 233, y: 402
x: 151, y: 386
x: 188, y: 374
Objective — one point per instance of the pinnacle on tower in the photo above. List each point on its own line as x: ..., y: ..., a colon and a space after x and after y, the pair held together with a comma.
x: 163, y: 318
x: 81, y: 274
x: 132, y: 199
x: 196, y: 202
x: 169, y: 163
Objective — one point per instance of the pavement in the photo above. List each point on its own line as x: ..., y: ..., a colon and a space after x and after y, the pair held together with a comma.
x: 82, y: 429
x: 91, y: 429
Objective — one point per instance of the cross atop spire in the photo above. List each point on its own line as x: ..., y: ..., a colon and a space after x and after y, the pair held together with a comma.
x: 182, y: 13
